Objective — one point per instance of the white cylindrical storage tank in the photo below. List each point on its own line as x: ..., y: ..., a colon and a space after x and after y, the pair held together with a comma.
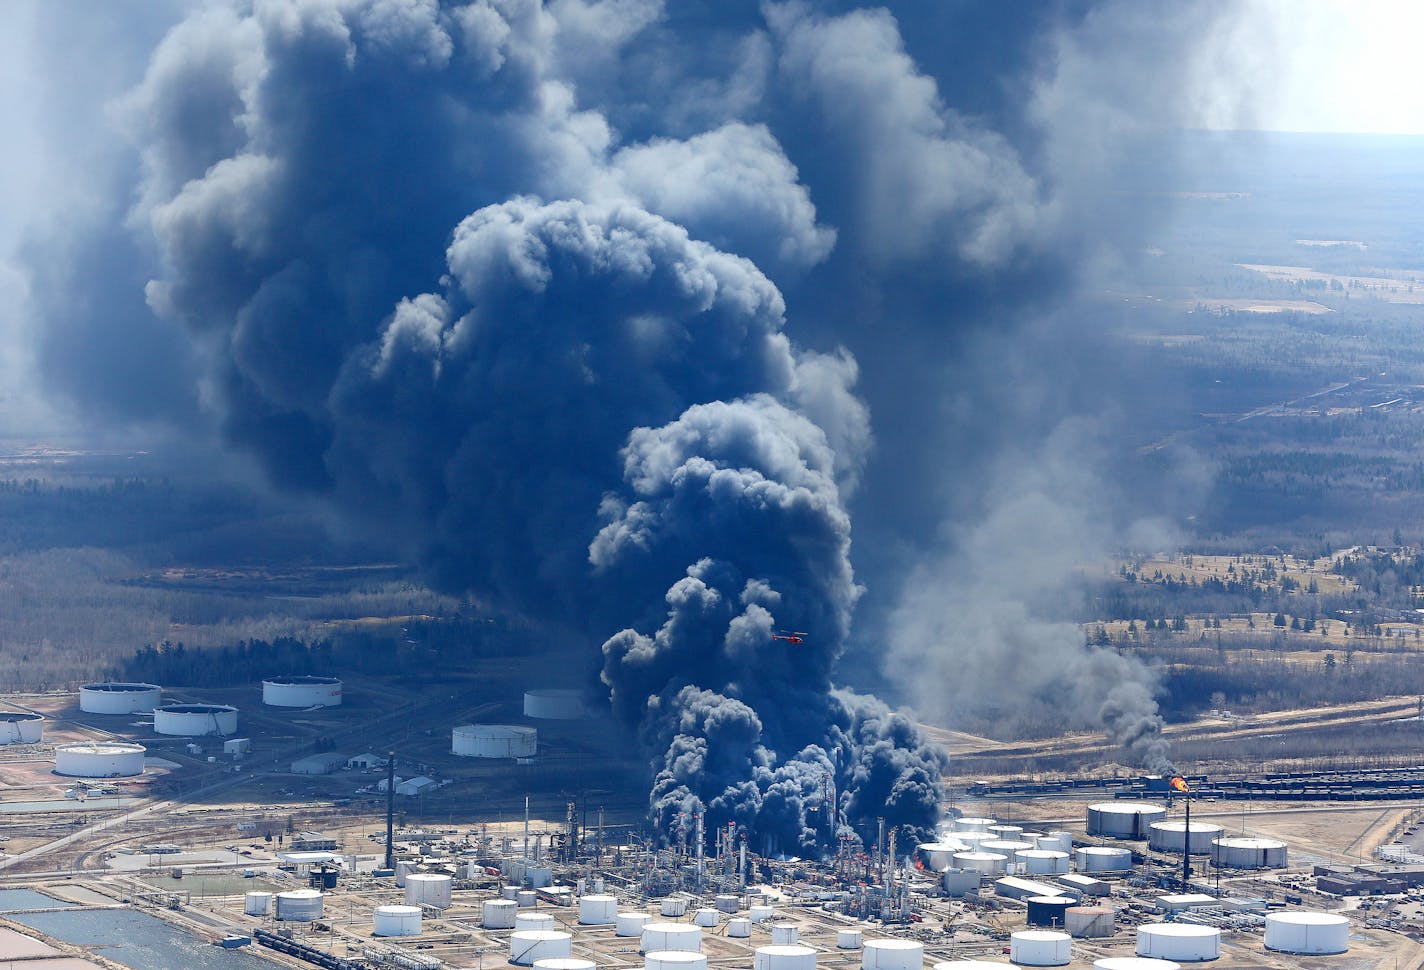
x: 785, y: 934
x: 99, y: 759
x: 1171, y: 836
x: 195, y: 720
x: 1040, y: 948
x: 848, y: 939
x: 1009, y: 833
x: 527, y: 946
x: 526, y: 898
x: 428, y: 889
x: 631, y: 924
x: 598, y: 910
x: 673, y: 906
x: 499, y: 914
x: 670, y: 936
x: 892, y: 955
x: 1009, y: 850
x: 1242, y: 852
x: 1039, y: 862
x: 758, y: 914
x: 969, y: 965
x: 397, y: 921
x: 510, y: 893
x: 256, y: 903
x: 564, y: 963
x: 1102, y: 858
x: 674, y: 960
x: 974, y: 824
x: 403, y: 869
x: 555, y: 704
x: 707, y: 917
x: 1135, y: 963
x: 1090, y: 922
x: 784, y: 958
x: 494, y: 741
x: 301, y: 691
x: 1123, y: 820
x: 299, y: 905
x: 1054, y: 842
x: 1182, y: 942
x: 534, y: 921
x: 727, y: 903
x: 1307, y: 933
x: 988, y: 863
x: 972, y: 840
x: 21, y: 727
x: 117, y: 698
x: 739, y: 928
x: 938, y: 856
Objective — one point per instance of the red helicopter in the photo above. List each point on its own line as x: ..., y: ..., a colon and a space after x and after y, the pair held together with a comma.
x: 789, y: 637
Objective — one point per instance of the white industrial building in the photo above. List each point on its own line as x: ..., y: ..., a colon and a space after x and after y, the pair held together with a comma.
x: 301, y: 690
x: 318, y: 764
x: 195, y: 720
x: 21, y: 727
x: 366, y: 761
x: 119, y: 698
x: 416, y: 786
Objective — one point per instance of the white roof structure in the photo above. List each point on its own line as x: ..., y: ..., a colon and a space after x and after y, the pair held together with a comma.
x: 415, y: 785
x: 309, y: 858
x: 318, y: 764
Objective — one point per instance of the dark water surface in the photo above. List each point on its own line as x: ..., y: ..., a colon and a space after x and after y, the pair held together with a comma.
x: 138, y: 940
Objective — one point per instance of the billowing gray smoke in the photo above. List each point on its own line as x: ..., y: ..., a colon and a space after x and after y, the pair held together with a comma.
x: 1002, y: 603
x: 504, y: 281
x: 417, y: 277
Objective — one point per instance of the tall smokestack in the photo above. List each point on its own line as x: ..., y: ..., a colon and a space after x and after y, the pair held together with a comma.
x: 391, y: 810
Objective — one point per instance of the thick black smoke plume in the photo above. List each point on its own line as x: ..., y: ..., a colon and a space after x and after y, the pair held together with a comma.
x: 506, y: 282
x: 417, y: 277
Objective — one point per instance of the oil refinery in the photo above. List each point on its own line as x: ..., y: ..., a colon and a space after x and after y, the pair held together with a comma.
x: 333, y: 834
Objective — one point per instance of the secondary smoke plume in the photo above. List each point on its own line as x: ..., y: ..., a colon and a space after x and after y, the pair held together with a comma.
x: 507, y: 282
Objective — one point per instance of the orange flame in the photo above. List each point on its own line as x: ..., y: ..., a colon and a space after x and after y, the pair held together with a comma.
x: 1179, y: 783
